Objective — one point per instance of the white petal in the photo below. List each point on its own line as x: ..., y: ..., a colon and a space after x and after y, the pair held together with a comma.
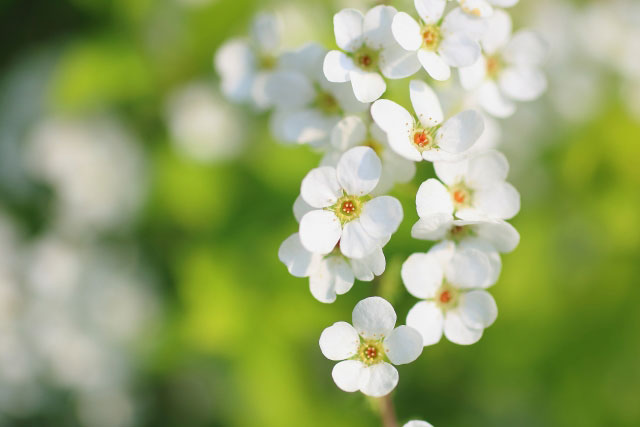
x: 403, y: 345
x: 367, y: 85
x: 289, y: 89
x: 471, y: 77
x: 378, y: 380
x: 320, y: 188
x: 434, y: 65
x: 406, y: 31
x: 459, y: 50
x: 469, y: 268
x: 359, y: 170
x: 397, y: 63
x: 356, y: 242
x: 428, y: 320
x: 422, y: 275
x: 347, y: 101
x: 451, y: 172
x: 478, y: 309
x: 235, y: 63
x: 503, y: 3
x: 425, y: 103
x: 395, y: 168
x: 493, y: 102
x: 487, y: 169
x: 307, y: 59
x: 347, y: 373
x: 457, y: 331
x: 348, y: 29
x: 480, y: 8
x: 417, y: 423
x: 339, y: 341
x: 432, y: 198
x: 502, y: 235
x: 299, y: 261
x: 459, y: 22
x: 501, y: 201
x: 432, y: 227
x: 265, y: 31
x: 381, y: 216
x: 460, y: 132
x: 374, y: 318
x: 377, y: 26
x: 498, y: 32
x: 526, y: 48
x: 349, y: 132
x: 391, y: 116
x: 333, y: 276
x: 430, y: 10
x: 337, y: 66
x: 300, y: 208
x: 372, y: 265
x: 320, y: 231
x: 309, y: 126
x: 522, y: 83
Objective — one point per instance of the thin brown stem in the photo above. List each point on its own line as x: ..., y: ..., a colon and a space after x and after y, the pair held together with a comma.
x: 388, y: 412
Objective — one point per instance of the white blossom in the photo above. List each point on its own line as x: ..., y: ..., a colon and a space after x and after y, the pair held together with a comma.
x: 370, y: 51
x: 344, y: 212
x: 439, y: 44
x: 429, y: 137
x: 368, y: 349
x: 451, y: 281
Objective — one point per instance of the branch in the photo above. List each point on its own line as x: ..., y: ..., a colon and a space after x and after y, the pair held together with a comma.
x: 388, y: 412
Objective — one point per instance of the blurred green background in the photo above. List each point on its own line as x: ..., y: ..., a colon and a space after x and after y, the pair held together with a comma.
x: 237, y: 341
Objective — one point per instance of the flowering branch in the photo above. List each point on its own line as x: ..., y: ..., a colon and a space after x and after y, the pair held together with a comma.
x: 388, y: 412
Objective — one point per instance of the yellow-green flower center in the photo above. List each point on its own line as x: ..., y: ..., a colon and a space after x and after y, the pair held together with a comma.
x: 371, y: 352
x: 424, y: 139
x: 431, y: 37
x: 327, y: 103
x: 366, y: 58
x: 447, y: 297
x: 460, y: 195
x: 348, y: 208
x: 494, y: 66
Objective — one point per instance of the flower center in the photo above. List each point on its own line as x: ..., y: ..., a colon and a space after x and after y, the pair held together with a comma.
x: 447, y: 297
x: 461, y: 195
x: 266, y: 62
x: 459, y: 232
x: 371, y: 352
x: 431, y: 37
x: 423, y: 139
x: 327, y: 103
x: 348, y: 208
x: 366, y: 58
x: 494, y: 66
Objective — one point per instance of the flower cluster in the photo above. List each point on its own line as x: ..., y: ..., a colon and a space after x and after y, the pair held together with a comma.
x: 334, y: 101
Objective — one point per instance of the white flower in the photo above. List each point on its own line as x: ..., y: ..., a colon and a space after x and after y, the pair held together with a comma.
x: 473, y: 189
x: 427, y: 137
x: 451, y: 280
x: 440, y: 45
x: 417, y: 423
x: 352, y: 131
x: 510, y: 69
x: 245, y: 66
x: 366, y: 348
x: 307, y: 105
x: 329, y: 275
x: 344, y: 212
x: 371, y: 50
x: 202, y: 126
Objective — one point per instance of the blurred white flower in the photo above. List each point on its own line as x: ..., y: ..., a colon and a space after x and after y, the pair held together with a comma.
x: 417, y: 423
x: 510, y: 69
x: 364, y: 348
x: 202, y: 126
x: 96, y: 170
x: 371, y: 50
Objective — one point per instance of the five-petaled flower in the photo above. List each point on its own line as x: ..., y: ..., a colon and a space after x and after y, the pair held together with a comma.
x: 368, y: 349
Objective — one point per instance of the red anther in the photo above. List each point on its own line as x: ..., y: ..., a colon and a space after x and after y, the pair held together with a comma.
x: 348, y: 207
x: 459, y: 196
x: 445, y: 297
x: 421, y: 139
